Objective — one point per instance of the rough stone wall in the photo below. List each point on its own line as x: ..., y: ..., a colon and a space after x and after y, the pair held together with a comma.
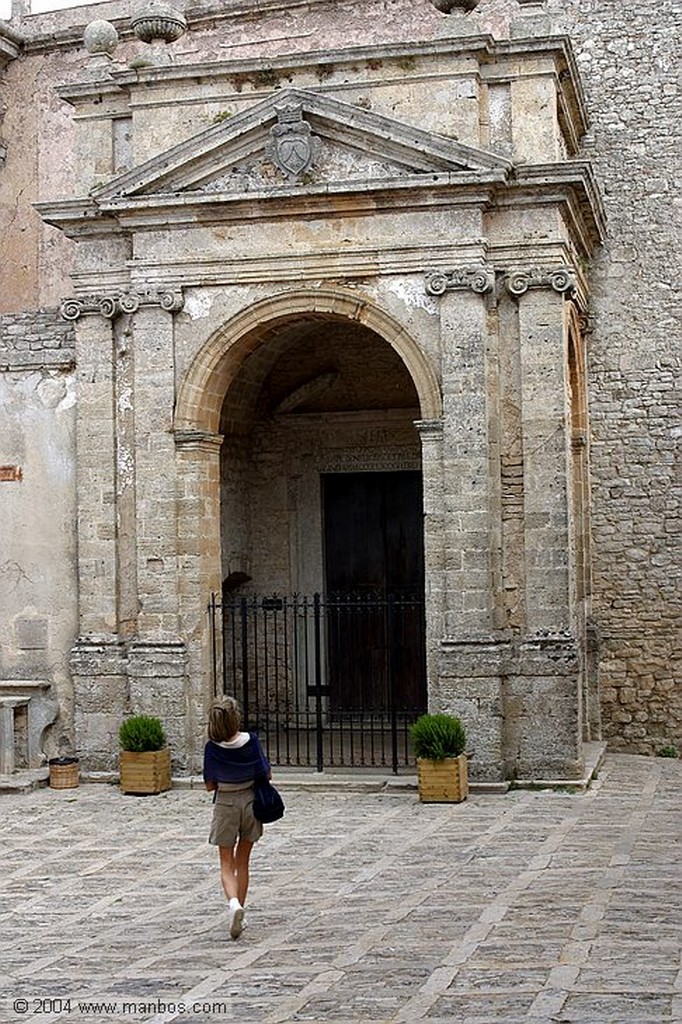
x: 36, y: 339
x: 630, y: 75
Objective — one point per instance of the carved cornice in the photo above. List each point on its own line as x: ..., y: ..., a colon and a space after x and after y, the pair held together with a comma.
x: 480, y: 279
x: 561, y: 279
x: 10, y: 46
x: 429, y: 430
x: 110, y: 306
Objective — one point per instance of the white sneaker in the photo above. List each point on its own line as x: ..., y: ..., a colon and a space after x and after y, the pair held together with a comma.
x: 236, y: 921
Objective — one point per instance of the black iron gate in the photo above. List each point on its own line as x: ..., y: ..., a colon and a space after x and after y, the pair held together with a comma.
x: 327, y: 681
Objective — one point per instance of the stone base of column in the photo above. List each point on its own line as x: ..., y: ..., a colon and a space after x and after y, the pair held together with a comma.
x: 100, y: 690
x: 112, y: 681
x: 469, y: 687
x: 542, y: 710
x: 157, y: 673
x: 520, y: 704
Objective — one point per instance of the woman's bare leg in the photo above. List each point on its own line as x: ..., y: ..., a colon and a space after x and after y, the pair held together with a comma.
x: 230, y: 862
x: 242, y: 853
x: 228, y: 875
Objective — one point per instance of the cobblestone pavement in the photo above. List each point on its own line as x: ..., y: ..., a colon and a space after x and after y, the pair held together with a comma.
x: 365, y: 907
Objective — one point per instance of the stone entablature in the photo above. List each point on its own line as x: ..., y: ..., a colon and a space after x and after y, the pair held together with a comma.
x: 373, y: 164
x: 367, y: 76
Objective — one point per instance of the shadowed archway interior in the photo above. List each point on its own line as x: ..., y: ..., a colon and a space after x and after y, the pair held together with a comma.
x: 321, y: 493
x: 314, y: 397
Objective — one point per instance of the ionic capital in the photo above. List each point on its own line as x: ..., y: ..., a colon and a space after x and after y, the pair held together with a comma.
x: 561, y: 279
x: 479, y: 278
x: 111, y: 306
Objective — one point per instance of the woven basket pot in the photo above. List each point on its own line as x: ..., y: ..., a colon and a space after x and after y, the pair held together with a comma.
x: 64, y: 773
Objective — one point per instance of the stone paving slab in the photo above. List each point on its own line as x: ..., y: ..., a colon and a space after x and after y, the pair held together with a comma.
x: 365, y: 908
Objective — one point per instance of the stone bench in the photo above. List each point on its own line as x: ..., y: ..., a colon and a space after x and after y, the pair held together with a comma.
x: 35, y: 695
x: 8, y: 707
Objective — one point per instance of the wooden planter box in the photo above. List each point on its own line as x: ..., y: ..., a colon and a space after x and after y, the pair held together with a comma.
x: 443, y: 781
x: 149, y: 772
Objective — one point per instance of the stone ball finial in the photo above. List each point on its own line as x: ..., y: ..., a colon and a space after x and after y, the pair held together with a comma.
x: 448, y: 6
x: 158, y: 22
x: 100, y: 37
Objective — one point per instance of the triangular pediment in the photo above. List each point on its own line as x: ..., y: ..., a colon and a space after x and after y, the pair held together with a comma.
x: 300, y: 138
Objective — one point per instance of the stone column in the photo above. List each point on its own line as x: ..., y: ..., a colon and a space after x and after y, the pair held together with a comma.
x: 199, y: 566
x: 155, y: 472
x: 466, y: 493
x: 95, y: 473
x: 157, y: 658
x: 542, y: 691
x: 469, y: 663
x: 98, y: 665
x: 431, y: 433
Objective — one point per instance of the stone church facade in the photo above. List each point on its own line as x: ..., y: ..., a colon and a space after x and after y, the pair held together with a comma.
x: 253, y: 248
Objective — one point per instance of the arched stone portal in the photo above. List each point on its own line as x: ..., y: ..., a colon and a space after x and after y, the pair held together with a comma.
x: 244, y: 335
x: 315, y: 397
x: 201, y: 394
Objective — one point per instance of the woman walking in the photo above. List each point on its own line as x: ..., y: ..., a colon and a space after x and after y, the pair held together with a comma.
x: 232, y: 760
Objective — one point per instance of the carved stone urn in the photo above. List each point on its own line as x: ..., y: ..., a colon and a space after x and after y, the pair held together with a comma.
x: 158, y: 22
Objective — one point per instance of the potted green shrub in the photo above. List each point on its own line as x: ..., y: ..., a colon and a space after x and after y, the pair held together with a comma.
x: 144, y: 759
x: 439, y: 742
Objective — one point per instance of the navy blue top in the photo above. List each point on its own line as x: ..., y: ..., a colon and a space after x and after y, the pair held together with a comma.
x: 235, y: 764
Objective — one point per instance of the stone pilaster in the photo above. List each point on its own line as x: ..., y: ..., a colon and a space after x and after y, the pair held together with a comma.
x: 541, y: 691
x: 546, y: 462
x: 469, y: 655
x: 198, y: 455
x: 96, y: 478
x: 98, y: 658
x: 431, y: 434
x: 155, y: 474
x: 466, y: 495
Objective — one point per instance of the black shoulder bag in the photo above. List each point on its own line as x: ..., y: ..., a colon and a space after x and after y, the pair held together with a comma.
x: 268, y: 805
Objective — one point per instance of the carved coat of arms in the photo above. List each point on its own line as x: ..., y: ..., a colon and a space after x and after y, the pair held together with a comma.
x: 292, y: 145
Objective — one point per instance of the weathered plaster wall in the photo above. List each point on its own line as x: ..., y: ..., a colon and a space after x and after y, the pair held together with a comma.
x: 39, y: 131
x: 38, y: 619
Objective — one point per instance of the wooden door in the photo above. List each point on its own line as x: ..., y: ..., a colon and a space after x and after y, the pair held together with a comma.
x: 374, y: 569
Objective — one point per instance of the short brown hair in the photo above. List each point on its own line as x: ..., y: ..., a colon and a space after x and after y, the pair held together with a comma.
x: 224, y: 719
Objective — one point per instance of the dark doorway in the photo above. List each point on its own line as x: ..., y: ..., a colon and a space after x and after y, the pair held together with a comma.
x: 374, y: 557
